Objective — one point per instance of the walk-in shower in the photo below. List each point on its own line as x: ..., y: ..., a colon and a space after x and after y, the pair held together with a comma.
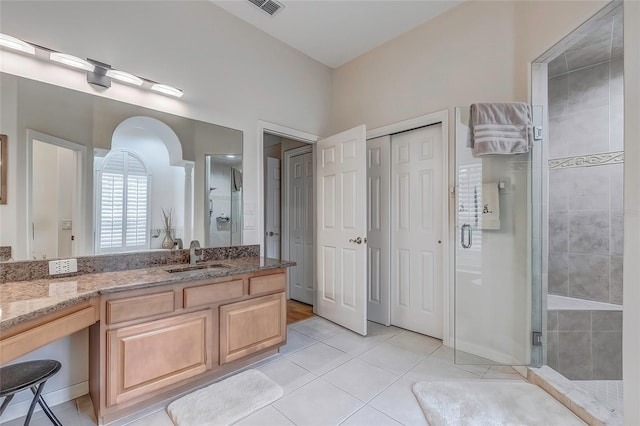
x: 584, y: 160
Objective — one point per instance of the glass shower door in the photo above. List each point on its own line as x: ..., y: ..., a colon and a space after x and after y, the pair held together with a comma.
x: 493, y: 255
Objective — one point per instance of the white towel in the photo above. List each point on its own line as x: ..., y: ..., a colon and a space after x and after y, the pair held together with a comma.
x: 500, y: 128
x: 490, y: 208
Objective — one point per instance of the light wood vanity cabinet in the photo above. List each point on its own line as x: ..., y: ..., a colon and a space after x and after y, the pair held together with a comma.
x: 152, y: 343
x: 252, y: 325
x: 149, y: 356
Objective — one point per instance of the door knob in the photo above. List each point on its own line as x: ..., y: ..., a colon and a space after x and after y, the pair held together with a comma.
x: 357, y: 240
x: 271, y: 233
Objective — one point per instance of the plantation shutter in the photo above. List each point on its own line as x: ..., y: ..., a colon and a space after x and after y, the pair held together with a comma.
x: 124, y: 199
x: 470, y: 201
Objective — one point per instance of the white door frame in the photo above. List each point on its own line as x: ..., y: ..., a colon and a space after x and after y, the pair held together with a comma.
x: 289, y: 133
x: 284, y: 194
x: 447, y: 286
x: 82, y: 222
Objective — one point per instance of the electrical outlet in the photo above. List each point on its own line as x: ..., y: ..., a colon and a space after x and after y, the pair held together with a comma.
x: 66, y: 266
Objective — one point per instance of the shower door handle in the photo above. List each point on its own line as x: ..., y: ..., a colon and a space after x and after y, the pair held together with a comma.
x: 466, y: 242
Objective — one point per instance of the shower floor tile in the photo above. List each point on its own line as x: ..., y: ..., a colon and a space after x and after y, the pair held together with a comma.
x: 608, y: 392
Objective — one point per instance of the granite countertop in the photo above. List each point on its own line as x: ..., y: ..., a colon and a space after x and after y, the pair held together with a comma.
x: 24, y: 300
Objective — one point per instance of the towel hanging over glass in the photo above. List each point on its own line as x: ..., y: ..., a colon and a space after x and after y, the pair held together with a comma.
x: 500, y: 128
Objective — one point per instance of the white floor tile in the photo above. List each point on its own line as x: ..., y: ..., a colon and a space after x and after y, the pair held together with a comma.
x: 399, y: 403
x: 159, y: 418
x: 368, y: 416
x: 295, y: 342
x: 317, y: 328
x: 392, y: 358
x: 287, y: 374
x: 65, y: 412
x: 340, y: 395
x: 268, y: 416
x: 502, y: 372
x: 318, y: 403
x: 430, y: 369
x: 360, y: 379
x: 414, y: 342
x: 86, y: 411
x: 353, y: 343
x: 461, y: 360
x: 375, y: 329
x: 319, y: 358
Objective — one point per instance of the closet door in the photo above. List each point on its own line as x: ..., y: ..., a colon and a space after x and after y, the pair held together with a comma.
x: 378, y: 231
x: 416, y: 231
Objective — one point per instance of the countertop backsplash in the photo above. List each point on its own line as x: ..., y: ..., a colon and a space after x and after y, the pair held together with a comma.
x: 39, y: 269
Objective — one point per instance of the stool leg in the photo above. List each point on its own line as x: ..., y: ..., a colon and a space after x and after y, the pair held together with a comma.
x: 44, y: 405
x: 5, y: 403
x: 33, y: 403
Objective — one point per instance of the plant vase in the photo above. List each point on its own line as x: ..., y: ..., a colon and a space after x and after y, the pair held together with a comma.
x: 167, y: 243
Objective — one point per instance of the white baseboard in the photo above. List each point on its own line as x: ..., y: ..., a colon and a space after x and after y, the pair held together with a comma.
x: 19, y: 409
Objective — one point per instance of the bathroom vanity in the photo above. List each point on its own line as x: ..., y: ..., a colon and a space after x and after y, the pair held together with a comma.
x: 154, y: 333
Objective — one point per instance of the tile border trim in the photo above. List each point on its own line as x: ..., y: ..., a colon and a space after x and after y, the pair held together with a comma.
x: 590, y: 160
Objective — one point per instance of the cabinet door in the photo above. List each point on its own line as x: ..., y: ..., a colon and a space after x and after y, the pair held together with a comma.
x: 251, y: 326
x: 147, y: 357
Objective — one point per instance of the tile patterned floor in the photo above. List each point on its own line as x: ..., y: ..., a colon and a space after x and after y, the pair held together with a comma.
x: 332, y: 376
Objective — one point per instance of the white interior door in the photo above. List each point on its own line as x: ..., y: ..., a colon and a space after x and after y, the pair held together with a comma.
x: 341, y: 196
x: 416, y: 236
x: 378, y: 230
x: 272, y: 215
x: 301, y: 228
x: 54, y: 200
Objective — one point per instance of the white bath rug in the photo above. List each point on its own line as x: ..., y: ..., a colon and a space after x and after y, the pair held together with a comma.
x: 490, y: 403
x: 225, y: 402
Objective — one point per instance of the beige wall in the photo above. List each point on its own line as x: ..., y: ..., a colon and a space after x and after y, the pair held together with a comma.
x: 476, y: 52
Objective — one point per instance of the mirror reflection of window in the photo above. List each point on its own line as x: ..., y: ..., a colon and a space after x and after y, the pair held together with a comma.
x: 224, y: 209
x: 134, y: 183
x: 122, y: 191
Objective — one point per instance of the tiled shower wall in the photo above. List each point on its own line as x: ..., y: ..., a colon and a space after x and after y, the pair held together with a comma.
x: 586, y: 181
x: 585, y: 345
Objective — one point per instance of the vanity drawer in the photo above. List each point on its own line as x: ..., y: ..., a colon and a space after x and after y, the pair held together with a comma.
x: 212, y: 293
x: 267, y: 284
x: 138, y: 307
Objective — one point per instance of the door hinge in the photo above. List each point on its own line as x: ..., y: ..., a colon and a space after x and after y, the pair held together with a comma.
x: 537, y: 338
x: 537, y: 133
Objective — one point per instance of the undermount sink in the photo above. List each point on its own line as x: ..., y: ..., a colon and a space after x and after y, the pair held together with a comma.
x: 198, y: 267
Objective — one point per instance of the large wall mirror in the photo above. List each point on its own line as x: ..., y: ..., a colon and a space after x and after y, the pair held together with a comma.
x: 105, y: 176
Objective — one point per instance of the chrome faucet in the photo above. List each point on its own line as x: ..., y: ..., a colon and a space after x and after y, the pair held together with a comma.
x: 195, y: 252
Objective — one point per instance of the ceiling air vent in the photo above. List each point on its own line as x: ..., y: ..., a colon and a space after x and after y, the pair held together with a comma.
x: 269, y: 6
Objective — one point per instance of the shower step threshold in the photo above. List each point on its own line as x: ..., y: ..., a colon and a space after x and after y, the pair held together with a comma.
x: 573, y: 396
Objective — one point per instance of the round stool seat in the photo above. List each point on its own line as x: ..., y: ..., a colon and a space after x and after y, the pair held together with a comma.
x: 23, y: 375
x: 28, y: 375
